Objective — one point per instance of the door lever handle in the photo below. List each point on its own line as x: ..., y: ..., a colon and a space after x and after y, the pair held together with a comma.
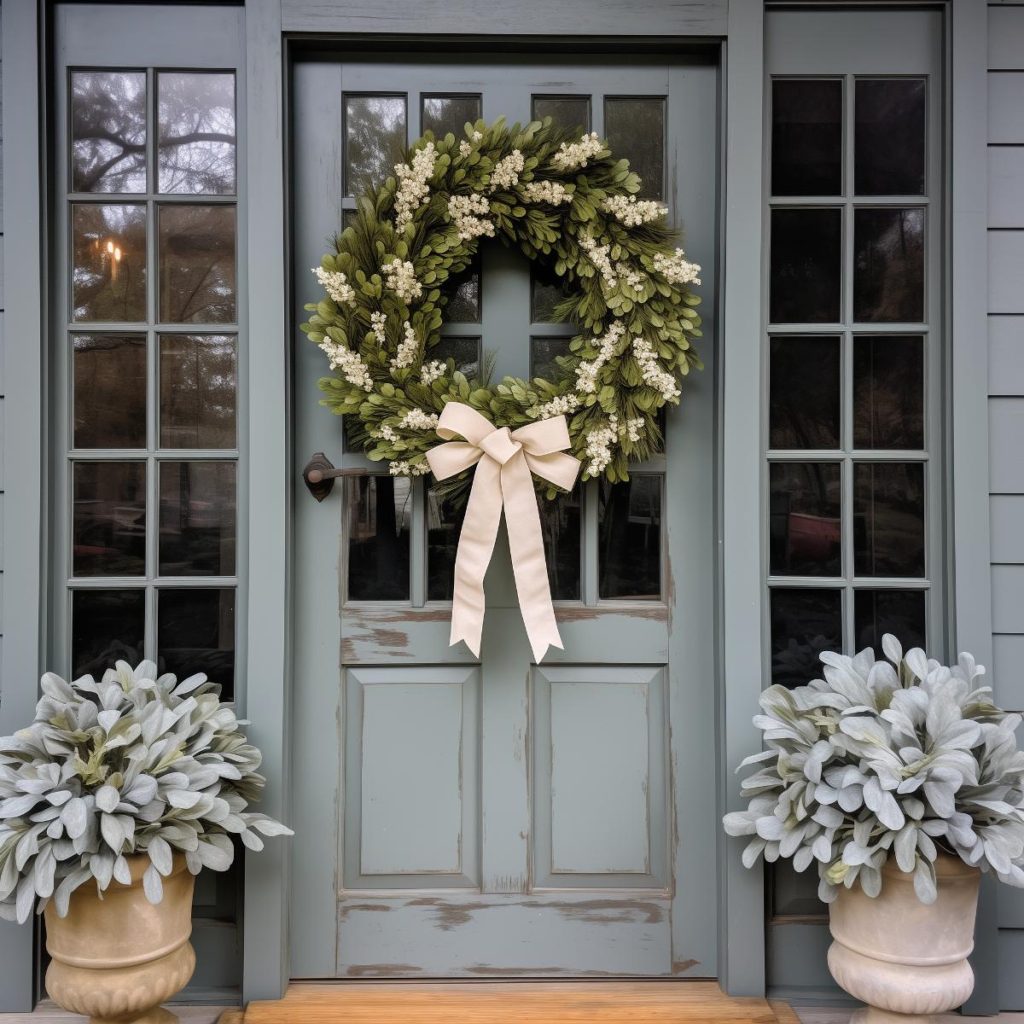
x: 320, y: 474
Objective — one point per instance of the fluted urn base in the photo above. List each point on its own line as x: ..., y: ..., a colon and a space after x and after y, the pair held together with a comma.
x: 905, y: 959
x: 117, y: 959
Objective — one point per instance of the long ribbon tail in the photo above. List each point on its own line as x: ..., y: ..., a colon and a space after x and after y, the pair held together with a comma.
x: 526, y: 546
x: 476, y: 543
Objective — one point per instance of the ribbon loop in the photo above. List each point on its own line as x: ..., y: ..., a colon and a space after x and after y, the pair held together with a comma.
x: 505, y: 461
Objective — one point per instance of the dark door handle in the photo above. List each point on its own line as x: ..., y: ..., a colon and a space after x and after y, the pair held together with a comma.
x: 320, y: 474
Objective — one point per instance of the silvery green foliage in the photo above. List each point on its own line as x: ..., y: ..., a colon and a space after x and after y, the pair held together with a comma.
x: 900, y: 757
x: 132, y: 764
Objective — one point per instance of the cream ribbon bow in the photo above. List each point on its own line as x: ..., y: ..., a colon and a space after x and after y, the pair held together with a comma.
x: 504, y: 460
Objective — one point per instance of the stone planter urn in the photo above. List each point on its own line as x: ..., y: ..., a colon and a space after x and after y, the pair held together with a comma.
x: 116, y: 959
x: 907, y: 960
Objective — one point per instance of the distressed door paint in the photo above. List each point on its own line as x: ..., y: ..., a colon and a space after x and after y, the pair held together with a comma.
x: 496, y: 818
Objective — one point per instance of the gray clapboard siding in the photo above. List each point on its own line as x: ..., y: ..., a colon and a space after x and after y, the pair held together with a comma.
x: 1008, y: 598
x: 1006, y: 348
x: 1005, y: 263
x: 1006, y: 429
x: 1005, y: 196
x: 1006, y: 518
x: 1006, y: 107
x: 1005, y: 37
x: 1007, y: 657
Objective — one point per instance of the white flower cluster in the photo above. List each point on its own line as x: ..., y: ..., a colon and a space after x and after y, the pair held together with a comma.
x: 386, y: 432
x: 632, y: 211
x: 599, y: 445
x: 586, y: 372
x: 354, y: 369
x: 634, y: 278
x: 507, y: 170
x: 417, y: 419
x: 335, y: 283
x: 652, y: 373
x: 400, y: 277
x: 560, y: 405
x: 598, y: 255
x: 403, y: 468
x: 378, y: 322
x: 466, y: 146
x: 676, y: 269
x: 432, y: 371
x: 407, y: 350
x: 635, y: 428
x: 412, y: 184
x: 573, y: 155
x: 551, y: 192
x: 467, y: 214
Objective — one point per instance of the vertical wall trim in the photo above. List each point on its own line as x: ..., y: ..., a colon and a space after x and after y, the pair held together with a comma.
x: 971, y: 605
x: 741, y: 939
x: 24, y: 446
x: 265, y: 941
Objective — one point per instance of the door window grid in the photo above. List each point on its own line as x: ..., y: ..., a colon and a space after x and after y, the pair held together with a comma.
x: 184, y: 620
x: 416, y: 108
x: 807, y: 611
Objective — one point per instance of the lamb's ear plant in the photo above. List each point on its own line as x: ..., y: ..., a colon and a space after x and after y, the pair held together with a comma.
x: 133, y: 764
x: 900, y: 758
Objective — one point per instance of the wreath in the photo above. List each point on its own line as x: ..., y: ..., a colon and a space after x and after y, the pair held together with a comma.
x: 564, y: 201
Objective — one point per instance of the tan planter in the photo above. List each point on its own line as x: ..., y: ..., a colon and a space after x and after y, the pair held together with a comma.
x: 905, y: 959
x: 117, y: 958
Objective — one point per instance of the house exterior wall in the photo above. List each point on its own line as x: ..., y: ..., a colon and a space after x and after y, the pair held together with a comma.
x: 1006, y: 408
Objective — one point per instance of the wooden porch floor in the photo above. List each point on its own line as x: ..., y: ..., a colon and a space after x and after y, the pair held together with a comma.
x: 627, y: 1002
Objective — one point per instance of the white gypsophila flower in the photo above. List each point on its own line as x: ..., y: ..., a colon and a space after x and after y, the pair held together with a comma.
x: 417, y: 419
x: 465, y: 148
x: 599, y: 445
x: 407, y: 350
x: 400, y: 277
x: 551, y: 192
x: 412, y: 184
x: 573, y: 155
x: 336, y: 285
x: 650, y: 369
x: 635, y: 428
x: 432, y: 371
x: 468, y: 216
x: 378, y: 322
x: 386, y: 432
x: 631, y: 211
x: 402, y: 467
x: 560, y: 405
x: 351, y: 365
x: 598, y: 256
x: 634, y: 278
x: 507, y: 170
x: 587, y: 371
x: 676, y: 269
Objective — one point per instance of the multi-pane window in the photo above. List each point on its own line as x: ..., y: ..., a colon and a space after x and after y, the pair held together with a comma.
x: 150, y: 360
x: 853, y: 352
x: 603, y: 542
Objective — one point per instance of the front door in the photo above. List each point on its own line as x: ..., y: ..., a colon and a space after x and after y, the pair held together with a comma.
x: 492, y: 817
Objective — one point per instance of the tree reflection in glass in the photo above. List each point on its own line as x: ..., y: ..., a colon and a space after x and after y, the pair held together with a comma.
x: 198, y: 384
x: 196, y: 136
x: 108, y: 131
x: 109, y: 252
x: 375, y: 139
x: 197, y: 264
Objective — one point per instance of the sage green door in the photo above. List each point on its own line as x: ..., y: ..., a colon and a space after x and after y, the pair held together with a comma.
x: 492, y: 817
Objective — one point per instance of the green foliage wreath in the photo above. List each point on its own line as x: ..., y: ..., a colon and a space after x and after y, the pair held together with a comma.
x: 564, y: 201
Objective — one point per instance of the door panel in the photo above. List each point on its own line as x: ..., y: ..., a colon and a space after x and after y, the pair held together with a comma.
x: 500, y: 818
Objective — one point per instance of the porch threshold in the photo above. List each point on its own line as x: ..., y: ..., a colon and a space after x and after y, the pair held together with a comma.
x: 511, y: 1002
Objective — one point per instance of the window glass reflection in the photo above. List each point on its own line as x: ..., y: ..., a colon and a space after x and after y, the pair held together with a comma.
x: 375, y: 139
x: 803, y: 373
x: 198, y: 383
x: 197, y: 264
x: 109, y: 390
x: 805, y: 266
x: 888, y: 278
x: 464, y: 351
x: 543, y: 353
x: 888, y: 514
x: 806, y: 528
x: 195, y: 632
x: 197, y: 518
x: 109, y: 519
x: 635, y: 125
x: 561, y: 523
x: 803, y: 624
x: 565, y: 111
x: 107, y: 626
x: 463, y: 293
x: 108, y: 281
x: 378, y: 515
x: 900, y: 612
x: 629, y: 538
x: 807, y: 137
x: 889, y: 136
x: 196, y: 137
x: 443, y: 114
x: 108, y: 131
x: 888, y: 392
x: 547, y: 291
